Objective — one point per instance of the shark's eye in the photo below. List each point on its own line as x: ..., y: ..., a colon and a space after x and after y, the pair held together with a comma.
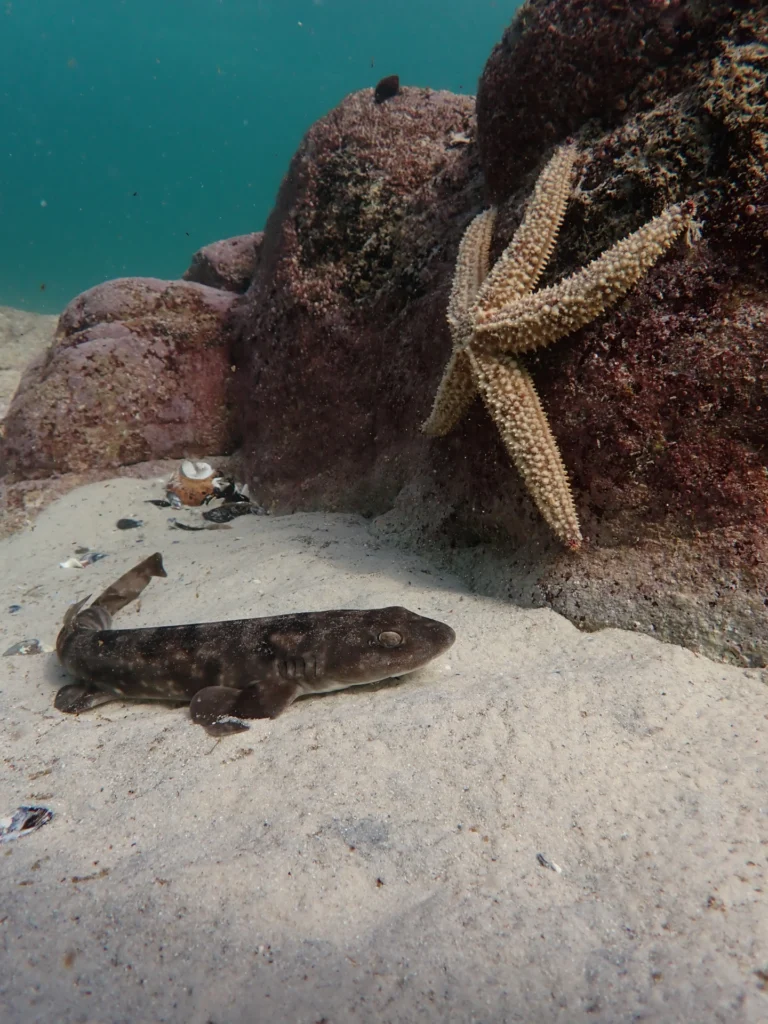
x: 390, y: 639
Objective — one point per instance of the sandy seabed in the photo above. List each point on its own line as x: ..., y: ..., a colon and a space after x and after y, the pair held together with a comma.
x: 23, y: 336
x: 373, y: 855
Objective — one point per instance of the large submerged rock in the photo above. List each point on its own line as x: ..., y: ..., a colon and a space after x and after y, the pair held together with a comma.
x: 340, y: 333
x: 230, y: 264
x: 139, y: 370
x: 659, y: 408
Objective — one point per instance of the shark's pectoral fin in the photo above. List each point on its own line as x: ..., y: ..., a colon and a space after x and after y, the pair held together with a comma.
x: 213, y: 708
x: 220, y: 709
x: 76, y: 697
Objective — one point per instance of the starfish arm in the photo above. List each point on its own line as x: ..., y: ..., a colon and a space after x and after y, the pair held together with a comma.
x: 471, y: 267
x: 549, y: 314
x: 520, y: 266
x: 456, y: 390
x: 511, y: 400
x: 453, y: 398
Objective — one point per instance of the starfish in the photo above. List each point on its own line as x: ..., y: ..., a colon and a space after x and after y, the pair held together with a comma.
x: 496, y: 316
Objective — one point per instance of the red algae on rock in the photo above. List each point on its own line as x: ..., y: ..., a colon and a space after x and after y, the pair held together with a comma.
x: 230, y: 264
x: 661, y: 405
x: 336, y: 337
x: 139, y: 370
x: 658, y: 407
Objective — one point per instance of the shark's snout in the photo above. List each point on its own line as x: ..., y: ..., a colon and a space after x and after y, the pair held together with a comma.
x: 427, y: 639
x: 440, y: 635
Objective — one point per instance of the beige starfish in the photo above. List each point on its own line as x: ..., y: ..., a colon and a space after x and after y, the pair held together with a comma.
x: 495, y: 316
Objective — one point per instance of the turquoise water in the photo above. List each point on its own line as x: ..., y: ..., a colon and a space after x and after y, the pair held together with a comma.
x: 134, y: 131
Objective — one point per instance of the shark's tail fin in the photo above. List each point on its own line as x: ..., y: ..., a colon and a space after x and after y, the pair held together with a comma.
x: 115, y: 597
x: 130, y: 586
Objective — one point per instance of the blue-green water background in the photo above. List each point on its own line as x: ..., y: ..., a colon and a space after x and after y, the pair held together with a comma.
x: 135, y: 131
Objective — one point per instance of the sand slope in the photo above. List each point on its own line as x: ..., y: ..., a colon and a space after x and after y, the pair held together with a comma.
x: 372, y: 855
x: 23, y: 336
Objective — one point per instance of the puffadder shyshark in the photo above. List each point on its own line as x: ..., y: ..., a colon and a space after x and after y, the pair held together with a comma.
x: 244, y: 668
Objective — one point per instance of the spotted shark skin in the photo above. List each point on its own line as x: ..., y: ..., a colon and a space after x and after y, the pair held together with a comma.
x: 238, y: 669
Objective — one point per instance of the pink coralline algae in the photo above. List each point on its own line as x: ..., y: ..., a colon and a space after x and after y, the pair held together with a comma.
x: 139, y: 370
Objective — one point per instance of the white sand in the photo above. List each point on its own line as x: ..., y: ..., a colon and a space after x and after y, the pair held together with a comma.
x: 23, y: 336
x: 372, y: 855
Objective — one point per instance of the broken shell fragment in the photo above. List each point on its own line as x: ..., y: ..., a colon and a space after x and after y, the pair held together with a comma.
x: 129, y: 523
x: 86, y: 558
x: 174, y: 524
x: 32, y: 646
x: 72, y: 563
x: 226, y: 488
x: 24, y: 820
x: 192, y: 482
x: 226, y: 513
x: 91, y: 557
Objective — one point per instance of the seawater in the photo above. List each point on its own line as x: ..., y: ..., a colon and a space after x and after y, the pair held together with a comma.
x: 132, y: 132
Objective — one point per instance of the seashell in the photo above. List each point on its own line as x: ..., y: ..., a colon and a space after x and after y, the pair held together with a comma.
x: 85, y: 559
x: 91, y: 557
x: 386, y: 88
x: 192, y: 482
x: 24, y: 820
x: 32, y: 646
x: 226, y: 513
x: 174, y: 524
x: 228, y: 489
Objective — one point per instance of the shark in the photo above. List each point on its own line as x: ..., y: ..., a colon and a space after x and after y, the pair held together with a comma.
x: 238, y: 669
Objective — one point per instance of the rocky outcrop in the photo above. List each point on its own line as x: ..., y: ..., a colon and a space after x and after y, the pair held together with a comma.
x: 139, y: 370
x: 659, y: 408
x: 575, y: 68
x: 342, y: 333
x: 230, y: 264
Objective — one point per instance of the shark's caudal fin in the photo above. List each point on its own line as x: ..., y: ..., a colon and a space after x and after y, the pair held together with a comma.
x: 117, y: 596
x: 129, y: 586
